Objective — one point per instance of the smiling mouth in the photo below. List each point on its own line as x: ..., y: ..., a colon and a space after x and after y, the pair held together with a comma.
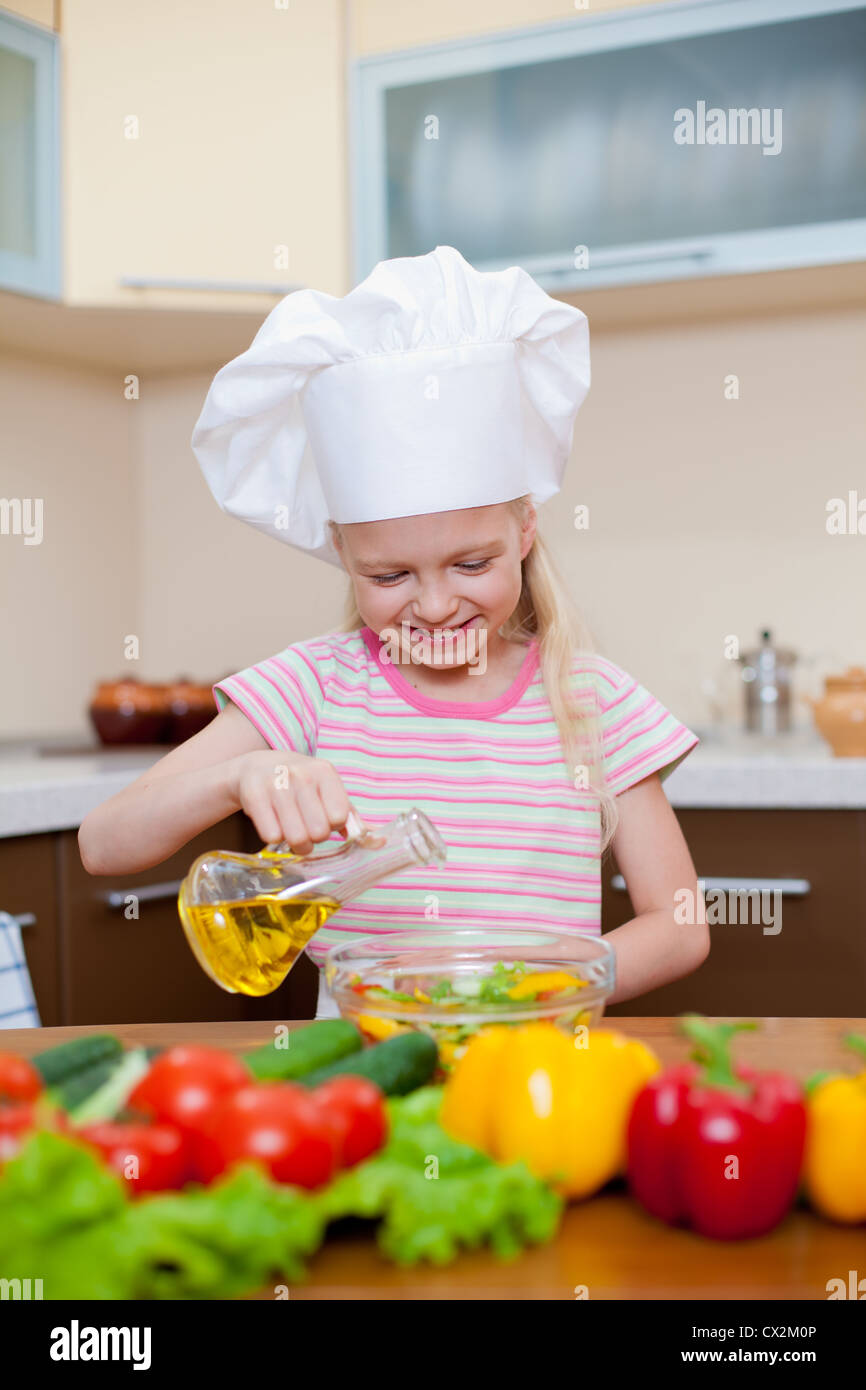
x: 432, y: 632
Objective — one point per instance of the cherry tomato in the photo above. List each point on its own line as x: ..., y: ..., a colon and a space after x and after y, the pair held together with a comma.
x: 185, y: 1084
x: 277, y: 1123
x: 356, y: 1110
x: 150, y: 1158
x: 19, y: 1079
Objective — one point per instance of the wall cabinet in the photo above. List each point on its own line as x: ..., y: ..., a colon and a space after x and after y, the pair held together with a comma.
x: 29, y: 159
x: 190, y: 178
x: 624, y: 145
x: 815, y: 965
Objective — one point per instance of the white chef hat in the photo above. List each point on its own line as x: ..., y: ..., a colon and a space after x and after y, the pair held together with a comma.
x: 430, y: 387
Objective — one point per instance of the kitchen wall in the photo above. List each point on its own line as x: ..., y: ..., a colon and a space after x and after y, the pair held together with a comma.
x: 66, y: 602
x: 707, y: 515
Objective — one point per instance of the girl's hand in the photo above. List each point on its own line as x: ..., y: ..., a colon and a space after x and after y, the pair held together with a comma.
x: 289, y: 796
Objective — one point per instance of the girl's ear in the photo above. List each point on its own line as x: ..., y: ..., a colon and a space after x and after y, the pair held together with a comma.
x: 338, y: 542
x: 529, y: 526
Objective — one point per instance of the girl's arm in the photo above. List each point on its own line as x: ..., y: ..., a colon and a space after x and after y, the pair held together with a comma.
x: 227, y: 767
x: 653, y: 857
x: 181, y: 795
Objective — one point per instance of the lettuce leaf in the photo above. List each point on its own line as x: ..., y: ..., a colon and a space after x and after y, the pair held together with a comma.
x: 436, y: 1195
x: 66, y: 1219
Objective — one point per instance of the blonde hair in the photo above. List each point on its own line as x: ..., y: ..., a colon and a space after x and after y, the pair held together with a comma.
x: 545, y: 610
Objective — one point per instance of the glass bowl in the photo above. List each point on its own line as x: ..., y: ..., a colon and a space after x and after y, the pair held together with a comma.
x: 453, y: 983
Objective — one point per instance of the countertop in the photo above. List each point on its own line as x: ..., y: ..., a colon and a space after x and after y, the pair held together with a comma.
x: 47, y: 786
x: 608, y: 1243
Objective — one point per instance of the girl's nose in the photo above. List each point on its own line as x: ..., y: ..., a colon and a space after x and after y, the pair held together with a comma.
x: 435, y: 611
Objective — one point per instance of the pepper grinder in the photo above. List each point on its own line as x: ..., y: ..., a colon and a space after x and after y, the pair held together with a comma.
x: 766, y: 675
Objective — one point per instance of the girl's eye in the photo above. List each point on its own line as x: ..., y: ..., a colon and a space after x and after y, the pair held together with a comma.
x: 472, y: 566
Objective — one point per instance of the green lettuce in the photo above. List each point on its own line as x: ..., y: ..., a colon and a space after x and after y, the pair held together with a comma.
x: 66, y: 1219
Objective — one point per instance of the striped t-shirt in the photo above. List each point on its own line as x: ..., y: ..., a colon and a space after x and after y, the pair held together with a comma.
x: 522, y: 840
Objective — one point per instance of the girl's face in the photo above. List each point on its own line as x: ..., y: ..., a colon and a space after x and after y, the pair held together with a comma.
x: 439, y: 572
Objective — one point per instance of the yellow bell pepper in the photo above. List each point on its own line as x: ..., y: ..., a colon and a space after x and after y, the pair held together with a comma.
x: 546, y: 981
x: 380, y: 1028
x: 533, y: 1092
x: 834, y: 1166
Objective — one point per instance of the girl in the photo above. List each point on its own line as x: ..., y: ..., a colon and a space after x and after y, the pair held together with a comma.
x: 406, y: 433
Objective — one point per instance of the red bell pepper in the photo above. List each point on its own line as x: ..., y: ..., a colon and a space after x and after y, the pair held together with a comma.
x: 714, y: 1147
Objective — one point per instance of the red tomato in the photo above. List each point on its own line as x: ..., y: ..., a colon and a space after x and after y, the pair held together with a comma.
x: 185, y: 1084
x: 277, y: 1123
x: 15, y: 1121
x: 356, y: 1110
x: 19, y: 1079
x: 150, y: 1158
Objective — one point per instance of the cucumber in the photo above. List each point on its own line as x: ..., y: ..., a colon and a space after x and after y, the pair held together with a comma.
x: 75, y: 1089
x: 63, y: 1061
x: 110, y: 1097
x: 397, y: 1066
x: 307, y: 1049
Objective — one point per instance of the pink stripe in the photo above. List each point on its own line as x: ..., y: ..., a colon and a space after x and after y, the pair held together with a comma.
x: 646, y: 729
x: 527, y: 847
x: 419, y: 778
x: 653, y: 755
x: 297, y: 689
x: 312, y: 666
x: 265, y: 715
x: 438, y: 738
x: 613, y: 727
x: 455, y: 919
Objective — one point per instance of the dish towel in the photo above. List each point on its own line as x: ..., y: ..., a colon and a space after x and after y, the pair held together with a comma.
x: 17, y: 1000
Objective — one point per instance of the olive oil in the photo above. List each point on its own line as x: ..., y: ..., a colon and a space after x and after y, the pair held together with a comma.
x: 249, y: 947
x: 247, y: 917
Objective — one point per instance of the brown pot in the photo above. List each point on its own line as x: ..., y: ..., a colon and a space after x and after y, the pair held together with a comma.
x: 129, y: 711
x: 191, y: 708
x: 840, y: 715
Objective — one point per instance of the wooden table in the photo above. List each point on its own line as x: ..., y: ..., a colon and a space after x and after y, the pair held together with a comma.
x: 607, y: 1244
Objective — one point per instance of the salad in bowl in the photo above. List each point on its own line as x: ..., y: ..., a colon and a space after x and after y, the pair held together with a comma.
x: 453, y: 983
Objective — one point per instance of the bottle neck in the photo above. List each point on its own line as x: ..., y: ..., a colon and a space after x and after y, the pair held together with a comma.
x: 404, y: 843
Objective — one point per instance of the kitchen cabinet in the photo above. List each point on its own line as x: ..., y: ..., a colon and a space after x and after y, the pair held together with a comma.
x: 592, y: 151
x: 815, y: 965
x: 189, y: 177
x: 92, y: 965
x: 30, y: 165
x: 27, y: 890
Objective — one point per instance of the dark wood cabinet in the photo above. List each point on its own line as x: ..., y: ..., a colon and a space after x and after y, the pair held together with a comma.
x: 815, y: 965
x: 92, y: 964
x: 28, y: 873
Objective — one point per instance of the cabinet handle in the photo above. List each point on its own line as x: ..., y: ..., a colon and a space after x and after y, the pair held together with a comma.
x: 158, y: 282
x: 24, y: 919
x: 150, y: 893
x: 788, y: 887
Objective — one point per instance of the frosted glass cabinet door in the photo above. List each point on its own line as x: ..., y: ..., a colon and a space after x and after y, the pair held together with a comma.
x: 603, y: 140
x: 28, y: 160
